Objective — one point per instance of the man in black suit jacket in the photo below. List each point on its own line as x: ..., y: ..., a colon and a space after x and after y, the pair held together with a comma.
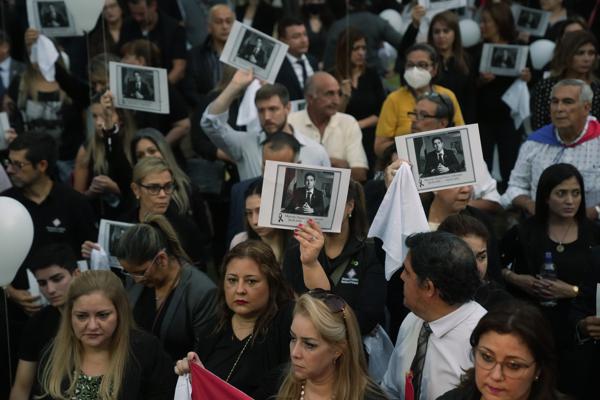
x: 307, y: 200
x: 504, y: 58
x: 297, y: 66
x: 137, y: 88
x: 255, y: 53
x: 440, y: 161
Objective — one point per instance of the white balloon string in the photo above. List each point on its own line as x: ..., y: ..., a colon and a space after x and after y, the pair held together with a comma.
x: 8, y: 355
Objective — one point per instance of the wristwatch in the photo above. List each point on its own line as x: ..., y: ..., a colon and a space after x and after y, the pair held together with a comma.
x: 597, y: 208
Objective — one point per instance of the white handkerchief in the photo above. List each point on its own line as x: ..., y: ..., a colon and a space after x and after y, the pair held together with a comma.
x: 183, y: 389
x: 34, y: 288
x: 400, y: 215
x: 247, y: 111
x: 99, y: 260
x: 44, y: 53
x: 516, y: 98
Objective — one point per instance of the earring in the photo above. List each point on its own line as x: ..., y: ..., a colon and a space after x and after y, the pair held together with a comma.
x: 350, y: 215
x: 537, y: 377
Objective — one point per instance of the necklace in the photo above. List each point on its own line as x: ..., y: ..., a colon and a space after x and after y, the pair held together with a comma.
x: 302, y: 393
x: 238, y: 358
x: 560, y: 247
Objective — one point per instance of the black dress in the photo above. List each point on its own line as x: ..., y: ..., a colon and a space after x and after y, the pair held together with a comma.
x: 259, y: 364
x: 462, y: 84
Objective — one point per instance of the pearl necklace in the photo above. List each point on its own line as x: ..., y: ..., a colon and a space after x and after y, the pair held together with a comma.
x: 302, y: 393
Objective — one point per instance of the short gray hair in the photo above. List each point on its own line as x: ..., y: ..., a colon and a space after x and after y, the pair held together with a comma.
x: 586, y: 95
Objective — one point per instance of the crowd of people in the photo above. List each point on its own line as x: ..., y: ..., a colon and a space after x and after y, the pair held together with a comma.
x: 498, y: 300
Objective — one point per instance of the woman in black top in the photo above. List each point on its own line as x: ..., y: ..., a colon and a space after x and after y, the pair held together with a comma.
x: 496, y: 125
x: 248, y: 345
x: 362, y: 90
x: 559, y: 227
x: 317, y: 17
x: 456, y: 70
x: 344, y: 262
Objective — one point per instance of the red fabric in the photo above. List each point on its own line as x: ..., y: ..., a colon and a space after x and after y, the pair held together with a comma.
x: 409, y: 390
x: 206, y: 385
x: 593, y: 132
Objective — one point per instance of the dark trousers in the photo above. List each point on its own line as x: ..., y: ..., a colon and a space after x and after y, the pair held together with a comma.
x: 508, y: 139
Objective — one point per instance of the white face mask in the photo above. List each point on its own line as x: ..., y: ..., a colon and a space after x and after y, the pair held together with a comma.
x: 417, y: 77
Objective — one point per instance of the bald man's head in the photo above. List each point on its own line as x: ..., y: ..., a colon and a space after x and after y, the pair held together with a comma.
x: 220, y: 20
x: 322, y: 94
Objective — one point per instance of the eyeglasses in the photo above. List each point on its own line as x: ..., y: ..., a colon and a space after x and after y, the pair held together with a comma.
x: 334, y: 302
x: 155, y: 189
x: 510, y: 368
x: 422, y: 65
x: 16, y: 165
x: 414, y: 116
x: 142, y: 275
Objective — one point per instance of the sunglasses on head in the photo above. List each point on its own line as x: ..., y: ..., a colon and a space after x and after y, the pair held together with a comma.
x: 334, y: 302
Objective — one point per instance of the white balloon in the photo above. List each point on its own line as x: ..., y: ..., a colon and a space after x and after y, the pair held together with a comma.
x: 541, y: 52
x: 393, y: 17
x: 469, y: 32
x: 85, y: 13
x: 16, y: 236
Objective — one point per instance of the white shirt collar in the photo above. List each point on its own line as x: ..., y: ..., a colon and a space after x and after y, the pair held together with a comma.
x: 5, y: 65
x: 583, y: 131
x: 293, y: 59
x: 445, y: 324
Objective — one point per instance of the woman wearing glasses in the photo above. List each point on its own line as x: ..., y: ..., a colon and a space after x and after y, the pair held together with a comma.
x: 153, y: 187
x: 420, y: 69
x: 97, y: 353
x: 514, y: 358
x: 248, y: 345
x: 326, y: 352
x: 171, y: 299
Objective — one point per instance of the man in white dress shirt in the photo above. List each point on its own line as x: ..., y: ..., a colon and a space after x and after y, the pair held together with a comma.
x: 245, y: 148
x: 9, y: 68
x: 432, y: 350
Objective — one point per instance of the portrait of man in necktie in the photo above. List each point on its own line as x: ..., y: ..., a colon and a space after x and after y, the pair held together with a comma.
x: 307, y: 200
x: 441, y: 160
x: 137, y: 87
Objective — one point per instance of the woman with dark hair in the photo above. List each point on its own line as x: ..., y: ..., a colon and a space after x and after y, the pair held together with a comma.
x: 170, y: 298
x: 560, y: 228
x: 103, y: 164
x: 98, y: 353
x: 575, y: 57
x: 362, y: 90
x: 474, y: 232
x: 344, y: 263
x: 248, y: 345
x: 259, y: 14
x: 455, y: 71
x: 514, y: 357
x: 317, y: 17
x: 496, y: 125
x: 107, y: 32
x: 275, y: 238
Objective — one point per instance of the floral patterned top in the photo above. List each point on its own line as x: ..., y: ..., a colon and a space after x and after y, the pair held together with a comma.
x: 87, y: 387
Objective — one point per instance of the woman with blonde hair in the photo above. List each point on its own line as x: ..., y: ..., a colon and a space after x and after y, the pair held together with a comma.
x: 326, y: 352
x: 97, y: 353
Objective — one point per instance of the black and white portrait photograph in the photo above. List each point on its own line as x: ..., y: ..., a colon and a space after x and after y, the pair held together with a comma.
x: 531, y: 20
x: 139, y: 88
x: 51, y: 17
x: 248, y: 48
x: 4, y: 127
x: 442, y: 5
x: 294, y: 193
x: 109, y: 234
x: 443, y: 158
x: 138, y: 84
x: 503, y: 59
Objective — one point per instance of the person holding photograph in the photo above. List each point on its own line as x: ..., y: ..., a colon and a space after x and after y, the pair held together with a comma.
x: 103, y: 165
x: 420, y: 69
x: 326, y: 352
x: 98, y: 353
x: 344, y: 262
x: 575, y: 57
x: 170, y: 298
x: 496, y: 125
x: 308, y: 200
x: 249, y: 343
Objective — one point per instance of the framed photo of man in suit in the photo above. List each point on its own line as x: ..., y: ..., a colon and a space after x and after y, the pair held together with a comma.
x: 503, y: 59
x: 443, y: 158
x: 248, y: 48
x: 531, y: 20
x: 109, y: 234
x: 51, y: 17
x: 294, y: 193
x: 139, y: 88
